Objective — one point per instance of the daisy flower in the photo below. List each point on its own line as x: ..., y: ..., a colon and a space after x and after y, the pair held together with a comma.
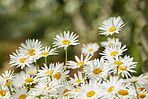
x: 65, y: 40
x: 47, y: 51
x: 77, y: 80
x: 31, y: 49
x: 19, y: 59
x: 90, y: 48
x: 80, y: 62
x: 20, y: 93
x: 90, y: 91
x: 31, y: 70
x: 112, y: 51
x: 19, y: 79
x: 110, y: 42
x: 110, y: 87
x: 111, y: 26
x: 97, y: 69
x: 4, y: 93
x: 7, y: 76
x: 126, y: 67
x: 29, y: 79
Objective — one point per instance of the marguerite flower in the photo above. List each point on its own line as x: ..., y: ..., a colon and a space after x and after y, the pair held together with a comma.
x: 110, y: 42
x: 80, y: 62
x: 31, y: 49
x: 20, y: 93
x: 112, y: 51
x: 65, y: 40
x: 90, y: 48
x: 97, y: 69
x: 48, y: 51
x: 19, y: 59
x: 111, y: 26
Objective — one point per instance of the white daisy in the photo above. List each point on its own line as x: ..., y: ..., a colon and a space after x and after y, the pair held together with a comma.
x: 4, y: 93
x: 65, y: 40
x: 110, y: 42
x: 31, y: 49
x: 77, y: 80
x: 110, y: 87
x: 97, y: 69
x: 47, y: 51
x: 90, y: 91
x: 80, y: 62
x: 19, y: 59
x: 31, y: 70
x: 20, y: 93
x: 112, y: 51
x: 90, y: 48
x: 111, y: 26
x: 7, y: 76
x: 29, y: 79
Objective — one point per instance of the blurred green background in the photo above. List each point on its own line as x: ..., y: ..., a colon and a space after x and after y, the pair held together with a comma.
x: 43, y: 19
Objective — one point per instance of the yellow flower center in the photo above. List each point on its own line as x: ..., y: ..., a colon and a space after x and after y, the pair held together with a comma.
x: 122, y: 92
x: 114, y: 53
x: 122, y: 68
x: 7, y: 83
x: 111, y: 44
x: 97, y: 70
x: 79, y: 80
x: 90, y: 49
x: 57, y: 75
x: 110, y: 89
x: 90, y: 93
x: 80, y: 63
x: 6, y: 77
x: 44, y: 53
x: 77, y: 89
x: 31, y: 52
x: 65, y: 91
x: 49, y: 72
x: 65, y: 42
x: 2, y: 92
x: 141, y: 95
x: 31, y: 72
x: 112, y: 29
x: 22, y: 60
x: 22, y: 96
x: 118, y: 62
x: 29, y: 80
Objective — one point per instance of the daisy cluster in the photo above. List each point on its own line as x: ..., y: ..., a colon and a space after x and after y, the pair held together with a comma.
x: 107, y: 77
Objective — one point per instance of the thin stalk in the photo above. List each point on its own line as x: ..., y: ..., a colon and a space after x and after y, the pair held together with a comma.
x: 114, y: 37
x: 51, y: 78
x: 117, y: 71
x: 66, y: 59
x: 45, y: 60
x: 27, y: 88
x: 25, y: 70
x: 82, y: 70
x: 39, y: 97
x: 136, y: 90
x: 10, y: 90
x: 36, y: 67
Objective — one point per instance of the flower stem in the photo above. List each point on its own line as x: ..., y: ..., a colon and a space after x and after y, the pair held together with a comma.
x: 45, y: 60
x: 27, y: 87
x: 117, y: 71
x: 114, y: 37
x: 25, y: 70
x: 51, y: 78
x: 136, y: 90
x: 66, y: 59
x: 36, y: 67
x: 10, y: 90
x: 82, y: 71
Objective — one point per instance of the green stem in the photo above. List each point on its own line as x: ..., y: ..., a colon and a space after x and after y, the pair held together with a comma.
x: 39, y: 97
x: 114, y: 37
x: 25, y: 70
x: 117, y: 71
x: 10, y: 90
x: 136, y: 90
x: 51, y: 78
x: 82, y: 70
x: 36, y: 67
x: 27, y: 88
x: 45, y: 60
x: 66, y: 59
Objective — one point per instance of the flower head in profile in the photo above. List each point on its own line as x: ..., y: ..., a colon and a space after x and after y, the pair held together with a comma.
x: 111, y: 26
x: 65, y: 40
x: 90, y: 48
